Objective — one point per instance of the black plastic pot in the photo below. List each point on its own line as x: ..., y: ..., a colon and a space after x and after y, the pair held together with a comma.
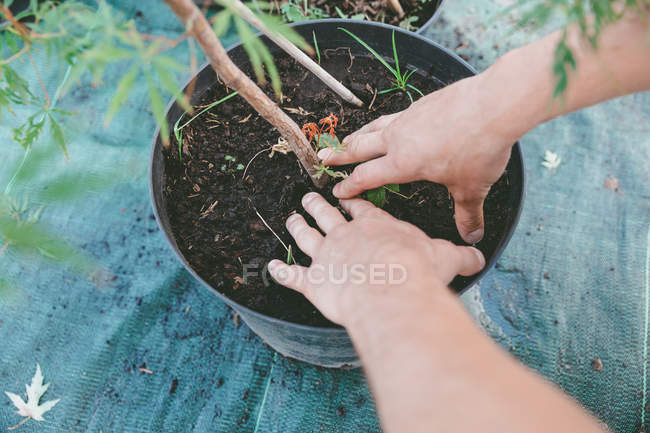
x: 331, y: 347
x: 433, y: 18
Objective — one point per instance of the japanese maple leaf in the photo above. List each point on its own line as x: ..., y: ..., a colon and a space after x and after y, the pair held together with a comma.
x: 31, y: 409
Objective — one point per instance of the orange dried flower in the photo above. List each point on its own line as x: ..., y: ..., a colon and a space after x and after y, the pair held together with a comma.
x: 329, y: 124
x: 310, y: 130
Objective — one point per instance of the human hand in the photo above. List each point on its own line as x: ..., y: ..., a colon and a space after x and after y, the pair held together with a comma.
x: 374, y: 255
x: 446, y: 137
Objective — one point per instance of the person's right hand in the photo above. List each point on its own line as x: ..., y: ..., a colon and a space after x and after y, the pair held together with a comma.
x: 446, y: 137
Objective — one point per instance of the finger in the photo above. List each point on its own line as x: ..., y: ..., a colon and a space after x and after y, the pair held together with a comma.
x: 357, y: 207
x: 468, y: 213
x: 327, y: 216
x: 369, y: 175
x: 291, y: 276
x: 375, y: 125
x: 307, y: 238
x: 456, y: 260
x: 361, y: 147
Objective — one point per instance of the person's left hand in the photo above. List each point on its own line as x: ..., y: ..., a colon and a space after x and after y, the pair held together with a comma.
x: 373, y: 256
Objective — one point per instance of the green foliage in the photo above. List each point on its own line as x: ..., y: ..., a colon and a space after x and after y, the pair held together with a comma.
x: 294, y: 12
x: 313, y: 33
x: 377, y: 196
x: 289, y: 256
x: 401, y: 79
x: 258, y: 53
x: 21, y: 231
x: 589, y: 16
x: 323, y: 169
x: 89, y: 40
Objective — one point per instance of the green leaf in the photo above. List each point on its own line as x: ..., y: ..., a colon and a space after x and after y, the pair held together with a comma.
x: 73, y: 184
x: 222, y: 22
x: 377, y: 196
x: 27, y: 133
x: 292, y: 13
x: 171, y: 86
x: 57, y: 135
x: 121, y: 94
x: 158, y: 109
x: 372, y: 51
x: 248, y: 38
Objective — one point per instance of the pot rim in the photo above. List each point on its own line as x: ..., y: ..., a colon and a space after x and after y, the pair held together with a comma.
x: 431, y: 20
x: 322, y: 329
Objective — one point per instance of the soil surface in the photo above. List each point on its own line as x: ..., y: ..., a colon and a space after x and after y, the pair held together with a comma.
x: 212, y: 209
x: 416, y: 12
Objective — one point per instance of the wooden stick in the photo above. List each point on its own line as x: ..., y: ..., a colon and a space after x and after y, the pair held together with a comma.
x: 197, y: 26
x: 243, y: 11
x: 396, y: 7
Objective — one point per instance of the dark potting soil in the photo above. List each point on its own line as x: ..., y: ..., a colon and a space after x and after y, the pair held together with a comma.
x: 416, y: 12
x: 212, y: 210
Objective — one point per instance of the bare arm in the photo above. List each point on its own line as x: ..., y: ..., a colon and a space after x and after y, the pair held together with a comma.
x: 462, y: 134
x: 429, y: 367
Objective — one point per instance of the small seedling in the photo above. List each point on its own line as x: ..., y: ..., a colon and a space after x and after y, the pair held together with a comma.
x: 178, y: 128
x: 289, y: 256
x: 294, y: 13
x: 401, y: 79
x: 230, y: 161
x: 313, y: 33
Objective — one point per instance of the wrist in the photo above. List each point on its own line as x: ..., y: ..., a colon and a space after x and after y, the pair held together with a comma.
x: 384, y: 315
x: 512, y: 97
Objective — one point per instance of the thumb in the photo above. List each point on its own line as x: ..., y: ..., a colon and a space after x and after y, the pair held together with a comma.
x: 458, y: 260
x: 468, y: 213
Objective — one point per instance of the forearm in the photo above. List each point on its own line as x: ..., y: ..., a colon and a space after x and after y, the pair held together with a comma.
x: 519, y: 87
x: 431, y: 369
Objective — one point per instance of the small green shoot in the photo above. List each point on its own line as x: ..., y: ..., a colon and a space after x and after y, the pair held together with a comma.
x: 401, y: 79
x: 324, y: 169
x: 177, y: 129
x: 289, y: 256
x: 228, y: 166
x: 316, y: 45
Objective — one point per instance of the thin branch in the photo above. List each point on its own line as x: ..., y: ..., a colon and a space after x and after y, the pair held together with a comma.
x: 22, y: 29
x: 22, y: 51
x: 40, y: 80
x: 243, y: 11
x: 4, y: 248
x: 233, y: 77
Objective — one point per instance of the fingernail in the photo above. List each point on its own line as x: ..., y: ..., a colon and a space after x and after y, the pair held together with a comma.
x: 308, y: 197
x: 290, y: 220
x: 474, y: 237
x: 273, y: 264
x: 324, y: 153
x: 337, y: 190
x: 480, y: 256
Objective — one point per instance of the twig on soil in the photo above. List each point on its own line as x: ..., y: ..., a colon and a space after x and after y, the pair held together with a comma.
x: 374, y: 96
x: 268, y: 226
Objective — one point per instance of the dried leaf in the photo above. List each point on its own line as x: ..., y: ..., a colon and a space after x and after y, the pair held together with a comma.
x: 32, y: 409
